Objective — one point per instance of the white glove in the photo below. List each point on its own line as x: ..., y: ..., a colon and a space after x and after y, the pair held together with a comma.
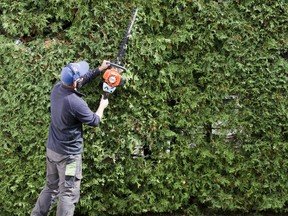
x: 105, y: 64
x: 103, y: 104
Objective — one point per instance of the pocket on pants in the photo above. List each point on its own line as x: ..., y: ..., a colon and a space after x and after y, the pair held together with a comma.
x: 73, y: 171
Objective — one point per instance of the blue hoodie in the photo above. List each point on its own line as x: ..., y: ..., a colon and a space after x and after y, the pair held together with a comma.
x: 68, y: 112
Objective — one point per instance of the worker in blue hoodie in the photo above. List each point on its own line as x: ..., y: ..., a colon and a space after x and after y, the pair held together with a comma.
x: 65, y: 140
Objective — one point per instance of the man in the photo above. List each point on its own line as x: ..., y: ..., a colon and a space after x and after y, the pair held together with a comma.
x: 64, y: 145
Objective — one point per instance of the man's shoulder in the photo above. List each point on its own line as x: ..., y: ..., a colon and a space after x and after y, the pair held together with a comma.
x: 57, y: 84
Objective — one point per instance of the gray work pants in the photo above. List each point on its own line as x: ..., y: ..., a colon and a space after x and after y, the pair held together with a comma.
x: 63, y: 177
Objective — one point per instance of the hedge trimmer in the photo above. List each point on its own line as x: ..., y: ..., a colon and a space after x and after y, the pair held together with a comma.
x: 113, y: 75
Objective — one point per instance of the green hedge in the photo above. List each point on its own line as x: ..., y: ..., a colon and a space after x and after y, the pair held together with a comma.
x: 201, y: 123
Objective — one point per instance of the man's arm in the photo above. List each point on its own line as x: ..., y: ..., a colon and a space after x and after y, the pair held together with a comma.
x: 84, y: 114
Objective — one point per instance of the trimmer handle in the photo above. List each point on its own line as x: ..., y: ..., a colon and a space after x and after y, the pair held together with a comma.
x: 117, y: 66
x: 105, y: 95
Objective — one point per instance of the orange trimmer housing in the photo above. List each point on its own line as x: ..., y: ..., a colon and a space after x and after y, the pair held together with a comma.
x: 112, y: 77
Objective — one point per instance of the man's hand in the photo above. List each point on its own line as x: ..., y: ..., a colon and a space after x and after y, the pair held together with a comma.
x: 105, y: 64
x: 103, y: 104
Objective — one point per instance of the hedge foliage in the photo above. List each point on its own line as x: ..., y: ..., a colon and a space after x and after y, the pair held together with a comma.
x: 201, y: 123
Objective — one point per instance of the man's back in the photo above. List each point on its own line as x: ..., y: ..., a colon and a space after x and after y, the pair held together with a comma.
x: 68, y: 112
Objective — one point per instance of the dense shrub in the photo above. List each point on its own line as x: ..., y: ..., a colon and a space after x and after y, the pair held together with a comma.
x: 201, y: 122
